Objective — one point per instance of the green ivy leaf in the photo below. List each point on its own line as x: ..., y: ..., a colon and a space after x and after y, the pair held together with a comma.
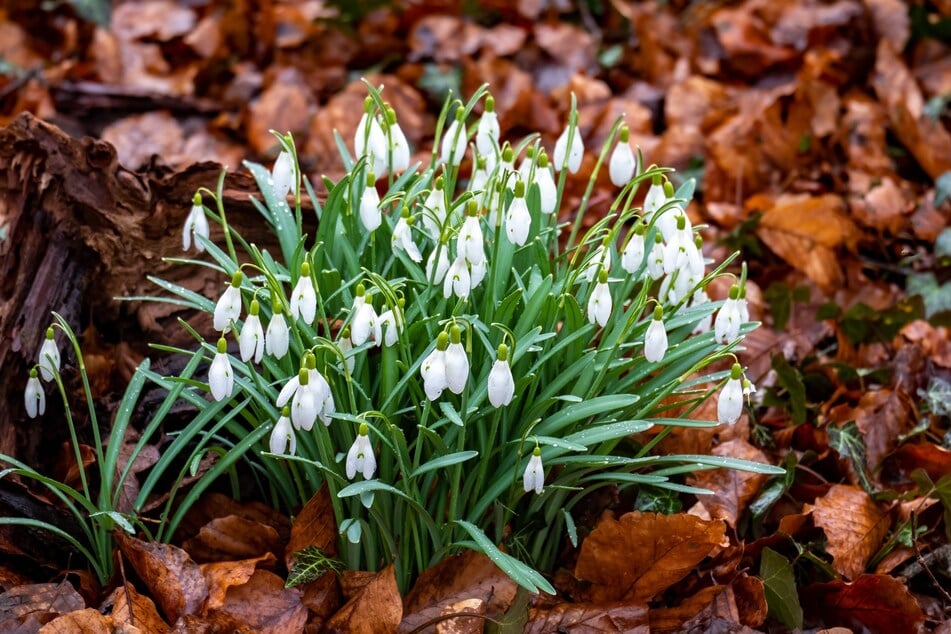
x: 848, y: 442
x: 309, y: 564
x: 790, y: 378
x: 780, y: 587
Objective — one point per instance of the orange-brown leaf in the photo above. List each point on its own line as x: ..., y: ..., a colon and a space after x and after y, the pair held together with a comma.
x: 233, y: 537
x: 640, y: 555
x: 88, y: 621
x: 732, y: 489
x: 223, y: 575
x: 880, y: 603
x: 266, y: 605
x: 314, y: 526
x: 854, y: 527
x: 589, y: 618
x: 130, y: 608
x: 376, y: 607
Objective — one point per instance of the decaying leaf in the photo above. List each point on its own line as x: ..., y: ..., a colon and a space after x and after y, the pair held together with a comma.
x: 88, y: 621
x: 376, y: 607
x: 854, y: 527
x: 224, y: 575
x: 878, y: 603
x: 640, y: 555
x: 266, y: 605
x: 233, y: 537
x: 732, y: 489
x: 40, y: 600
x: 586, y: 617
x: 130, y: 608
x: 313, y: 526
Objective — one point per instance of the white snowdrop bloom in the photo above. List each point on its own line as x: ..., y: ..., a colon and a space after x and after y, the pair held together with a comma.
x: 437, y: 264
x: 220, y: 375
x: 360, y: 458
x: 304, y: 405
x: 654, y: 199
x: 726, y: 326
x: 477, y: 272
x: 251, y: 340
x: 277, y: 337
x: 573, y: 154
x: 365, y: 321
x: 457, y: 363
x: 507, y: 175
x: 228, y: 308
x: 283, y: 175
x: 399, y: 151
x: 346, y: 346
x: 454, y: 140
x: 457, y: 280
x: 534, y: 476
x: 547, y: 190
x: 391, y: 324
x: 518, y: 220
x: 699, y: 298
x: 283, y: 441
x: 370, y: 214
x: 487, y: 133
x: 623, y: 163
x: 34, y: 398
x: 695, y: 257
x: 600, y: 261
x: 655, y: 259
x: 655, y: 339
x: 434, y: 210
x: 525, y: 168
x: 600, y: 302
x: 322, y: 394
x: 730, y: 400
x: 480, y: 177
x: 304, y: 297
x: 742, y: 307
x: 402, y: 239
x: 471, y: 242
x: 370, y: 140
x: 48, y: 358
x: 633, y: 255
x: 433, y: 369
x: 501, y: 386
x: 195, y: 225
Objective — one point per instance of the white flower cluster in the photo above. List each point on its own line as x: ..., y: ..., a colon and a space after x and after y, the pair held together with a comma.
x: 47, y: 366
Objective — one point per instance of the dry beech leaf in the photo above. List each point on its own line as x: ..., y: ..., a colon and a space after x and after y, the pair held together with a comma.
x: 314, y: 526
x: 174, y: 580
x: 136, y: 610
x: 586, y: 618
x: 732, y: 489
x: 806, y: 231
x: 88, y: 621
x: 640, y: 555
x: 223, y: 575
x: 880, y: 603
x: 854, y: 527
x: 922, y: 455
x: 266, y: 605
x: 375, y: 608
x: 215, y: 505
x: 466, y: 575
x: 471, y: 619
x: 322, y: 595
x: 215, y: 622
x: 233, y: 537
x: 881, y: 416
x: 40, y: 598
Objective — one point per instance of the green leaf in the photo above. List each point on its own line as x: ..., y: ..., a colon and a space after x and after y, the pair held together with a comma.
x: 444, y: 461
x: 942, y: 188
x: 848, y: 442
x: 791, y: 379
x: 309, y: 564
x: 451, y: 413
x: 780, y: 586
x: 97, y: 11
x: 521, y: 574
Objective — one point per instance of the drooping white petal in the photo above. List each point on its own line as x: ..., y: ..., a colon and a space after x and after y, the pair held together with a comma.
x: 453, y: 143
x: 48, y: 359
x: 403, y: 240
x: 470, y: 242
x: 364, y: 324
x: 370, y: 214
x: 400, y: 155
x: 457, y: 368
x: 742, y: 310
x: 323, y: 396
x: 730, y: 402
x: 434, y: 213
x: 622, y: 164
x: 277, y: 339
x: 487, y: 134
x: 195, y: 225
x: 433, y: 371
x: 600, y: 304
x: 457, y: 281
x: 633, y: 254
x: 34, y: 398
x: 346, y: 346
x: 518, y: 221
x: 304, y: 408
x: 653, y: 200
x: 574, y: 153
x: 655, y: 341
x: 547, y: 190
x: 228, y: 308
x: 655, y: 261
x: 221, y: 377
x: 251, y: 340
x: 534, y: 476
x: 477, y: 272
x: 389, y: 326
x: 726, y: 326
x: 283, y: 441
x: 282, y: 175
x: 438, y: 259
x: 304, y: 300
x: 700, y: 297
x: 289, y: 389
x: 360, y: 458
x: 600, y: 260
x: 501, y: 384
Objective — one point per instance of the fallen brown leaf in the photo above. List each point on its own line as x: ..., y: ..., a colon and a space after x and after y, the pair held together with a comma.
x: 881, y: 416
x: 233, y: 537
x: 732, y: 489
x: 376, y: 607
x: 640, y: 555
x: 313, y: 526
x: 174, y: 580
x: 878, y: 603
x: 39, y: 600
x: 589, y: 618
x: 223, y: 575
x: 88, y: 621
x: 132, y: 609
x: 672, y: 619
x: 266, y: 605
x: 854, y: 527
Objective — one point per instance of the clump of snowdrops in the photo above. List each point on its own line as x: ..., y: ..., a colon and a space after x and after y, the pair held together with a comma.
x: 454, y: 365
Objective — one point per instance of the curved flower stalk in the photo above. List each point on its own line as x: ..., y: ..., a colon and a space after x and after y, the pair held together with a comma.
x: 599, y: 261
x: 196, y: 224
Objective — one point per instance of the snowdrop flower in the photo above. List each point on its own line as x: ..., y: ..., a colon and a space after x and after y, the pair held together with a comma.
x: 48, y: 358
x: 251, y: 340
x: 518, y: 220
x: 220, y: 375
x: 633, y: 255
x: 283, y: 175
x: 304, y: 296
x: 433, y: 369
x: 600, y: 261
x: 399, y: 150
x: 457, y: 363
x: 477, y: 271
x: 487, y: 134
x: 471, y: 242
x: 534, y: 477
x: 434, y: 210
x: 402, y: 239
x: 655, y: 198
x: 370, y: 214
x: 699, y: 298
x: 391, y: 324
x: 369, y: 139
x: 309, y: 395
x: 454, y: 139
x: 730, y: 400
x: 507, y: 175
x: 547, y: 190
x: 457, y: 280
x: 742, y: 306
x: 623, y: 163
x: 563, y: 152
x: 726, y: 326
x: 525, y: 167
x: 748, y: 388
x: 277, y: 338
x: 345, y: 346
x: 666, y: 218
x: 600, y: 302
x: 655, y: 259
x: 480, y: 177
x: 228, y: 308
x: 34, y: 398
x: 195, y: 225
x: 283, y: 441
x: 680, y: 250
x: 365, y: 321
x: 360, y: 458
x: 655, y: 339
x: 437, y: 264
x: 501, y: 383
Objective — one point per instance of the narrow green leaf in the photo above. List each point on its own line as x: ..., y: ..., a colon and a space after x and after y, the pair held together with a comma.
x: 780, y: 586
